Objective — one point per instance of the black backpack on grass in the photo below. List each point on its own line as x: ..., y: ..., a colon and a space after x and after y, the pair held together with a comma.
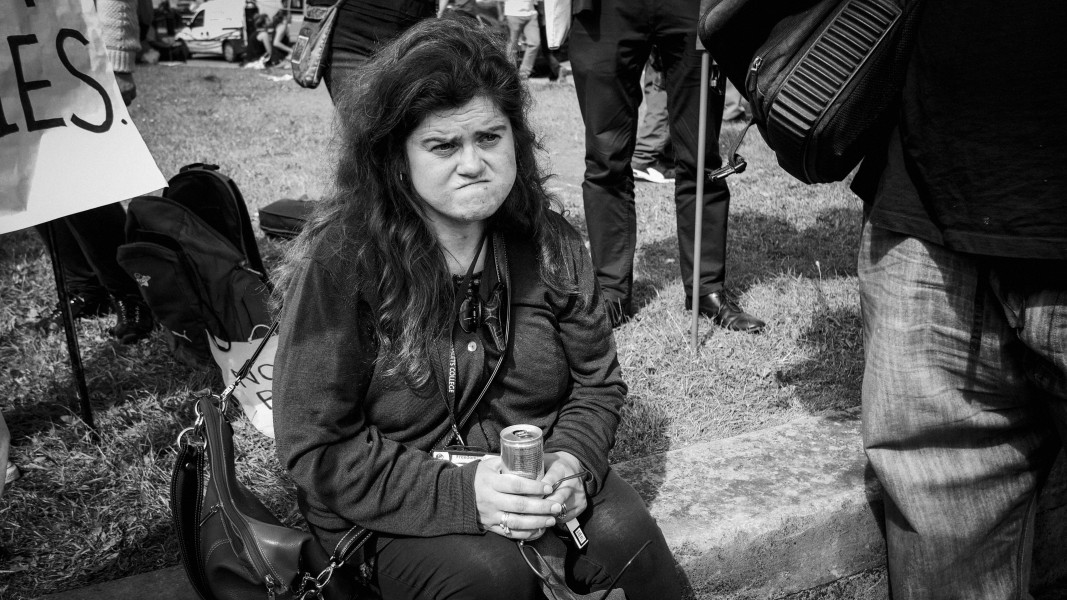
x: 194, y: 257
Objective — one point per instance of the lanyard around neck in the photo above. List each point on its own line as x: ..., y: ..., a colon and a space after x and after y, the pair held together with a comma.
x: 503, y: 275
x: 450, y: 391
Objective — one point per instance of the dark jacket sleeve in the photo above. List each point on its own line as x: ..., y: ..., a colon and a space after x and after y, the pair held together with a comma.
x: 590, y: 415
x: 343, y: 465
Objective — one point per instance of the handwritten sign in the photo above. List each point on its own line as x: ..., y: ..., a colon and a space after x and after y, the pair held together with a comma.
x: 67, y: 143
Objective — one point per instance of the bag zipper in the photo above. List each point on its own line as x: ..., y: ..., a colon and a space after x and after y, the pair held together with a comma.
x: 222, y: 485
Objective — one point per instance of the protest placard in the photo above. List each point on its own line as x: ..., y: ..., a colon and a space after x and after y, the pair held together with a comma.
x: 67, y: 143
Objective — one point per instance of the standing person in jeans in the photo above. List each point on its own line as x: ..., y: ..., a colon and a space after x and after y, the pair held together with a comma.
x: 521, y: 16
x: 364, y: 25
x: 87, y: 242
x: 651, y: 161
x: 963, y: 283
x: 610, y: 42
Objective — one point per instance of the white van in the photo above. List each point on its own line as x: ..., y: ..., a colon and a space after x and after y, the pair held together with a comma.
x: 218, y: 26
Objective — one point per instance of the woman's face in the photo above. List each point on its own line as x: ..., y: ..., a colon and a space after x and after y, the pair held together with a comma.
x: 462, y: 163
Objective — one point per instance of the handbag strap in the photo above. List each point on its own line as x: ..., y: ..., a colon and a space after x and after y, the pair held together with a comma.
x: 355, y: 537
x: 186, y: 505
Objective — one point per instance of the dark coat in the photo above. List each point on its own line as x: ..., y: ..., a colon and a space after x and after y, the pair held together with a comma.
x: 357, y: 445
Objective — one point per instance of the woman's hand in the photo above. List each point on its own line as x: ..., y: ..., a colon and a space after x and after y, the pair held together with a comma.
x: 513, y: 506
x: 571, y: 493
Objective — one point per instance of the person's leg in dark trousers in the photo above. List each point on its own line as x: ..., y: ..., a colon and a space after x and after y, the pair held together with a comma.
x: 100, y: 232
x: 653, y: 132
x: 675, y: 40
x: 87, y: 244
x: 474, y: 567
x: 608, y: 51
x: 609, y: 48
x: 77, y: 272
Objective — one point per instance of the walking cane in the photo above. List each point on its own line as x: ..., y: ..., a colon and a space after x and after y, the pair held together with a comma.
x: 82, y: 390
x: 698, y: 204
x: 734, y: 163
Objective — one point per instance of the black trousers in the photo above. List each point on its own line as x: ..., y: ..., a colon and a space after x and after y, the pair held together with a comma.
x: 608, y: 50
x: 490, y: 567
x: 87, y: 243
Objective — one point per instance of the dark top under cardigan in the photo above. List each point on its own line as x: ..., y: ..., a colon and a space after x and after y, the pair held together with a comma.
x: 357, y: 445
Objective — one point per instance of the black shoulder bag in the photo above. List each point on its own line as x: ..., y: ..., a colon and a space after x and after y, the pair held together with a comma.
x: 231, y: 545
x: 824, y: 77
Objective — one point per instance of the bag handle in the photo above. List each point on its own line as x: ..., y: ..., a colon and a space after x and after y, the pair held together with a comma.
x: 188, y: 483
x: 735, y: 163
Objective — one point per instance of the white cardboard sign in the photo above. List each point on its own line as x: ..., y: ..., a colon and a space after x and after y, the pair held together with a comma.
x: 67, y: 143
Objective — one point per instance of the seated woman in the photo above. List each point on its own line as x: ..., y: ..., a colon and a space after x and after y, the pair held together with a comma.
x: 436, y: 299
x: 280, y: 23
x: 265, y: 37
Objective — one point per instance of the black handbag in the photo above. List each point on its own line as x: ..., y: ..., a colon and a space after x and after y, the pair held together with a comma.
x: 823, y: 77
x: 309, y: 56
x: 285, y: 218
x: 231, y: 545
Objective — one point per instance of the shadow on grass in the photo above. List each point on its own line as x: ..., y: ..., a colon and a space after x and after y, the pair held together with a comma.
x: 762, y: 245
x: 831, y: 378
x: 759, y: 247
x: 114, y: 376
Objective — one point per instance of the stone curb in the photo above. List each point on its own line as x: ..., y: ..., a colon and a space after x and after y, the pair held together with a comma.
x: 767, y: 513
x: 760, y: 515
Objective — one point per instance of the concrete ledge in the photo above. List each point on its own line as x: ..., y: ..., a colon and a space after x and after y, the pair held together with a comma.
x: 761, y: 515
x: 790, y: 508
x: 164, y: 584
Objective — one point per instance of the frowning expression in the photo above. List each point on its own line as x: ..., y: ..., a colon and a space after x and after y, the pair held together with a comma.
x: 462, y: 163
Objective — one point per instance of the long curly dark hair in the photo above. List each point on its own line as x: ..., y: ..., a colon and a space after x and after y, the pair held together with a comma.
x: 374, y: 226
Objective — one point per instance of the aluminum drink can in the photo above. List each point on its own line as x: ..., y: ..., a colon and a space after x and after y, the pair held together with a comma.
x: 522, y: 452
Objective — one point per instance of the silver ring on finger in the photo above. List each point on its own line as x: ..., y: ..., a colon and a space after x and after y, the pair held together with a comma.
x: 504, y: 524
x: 562, y: 511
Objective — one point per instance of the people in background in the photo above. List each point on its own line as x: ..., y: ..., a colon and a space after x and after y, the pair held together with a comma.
x: 264, y: 37
x: 435, y: 299
x: 652, y: 160
x: 735, y: 106
x: 963, y: 289
x: 280, y: 22
x: 87, y: 242
x: 610, y: 43
x: 255, y: 48
x: 362, y: 27
x: 521, y: 17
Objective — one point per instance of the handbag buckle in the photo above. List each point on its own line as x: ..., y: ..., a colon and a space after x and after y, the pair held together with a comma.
x: 195, y: 429
x: 311, y: 587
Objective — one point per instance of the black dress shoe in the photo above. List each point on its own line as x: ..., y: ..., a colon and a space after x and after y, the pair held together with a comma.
x: 724, y: 311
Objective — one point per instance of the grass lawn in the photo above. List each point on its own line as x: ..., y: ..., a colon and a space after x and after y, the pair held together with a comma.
x: 86, y: 512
